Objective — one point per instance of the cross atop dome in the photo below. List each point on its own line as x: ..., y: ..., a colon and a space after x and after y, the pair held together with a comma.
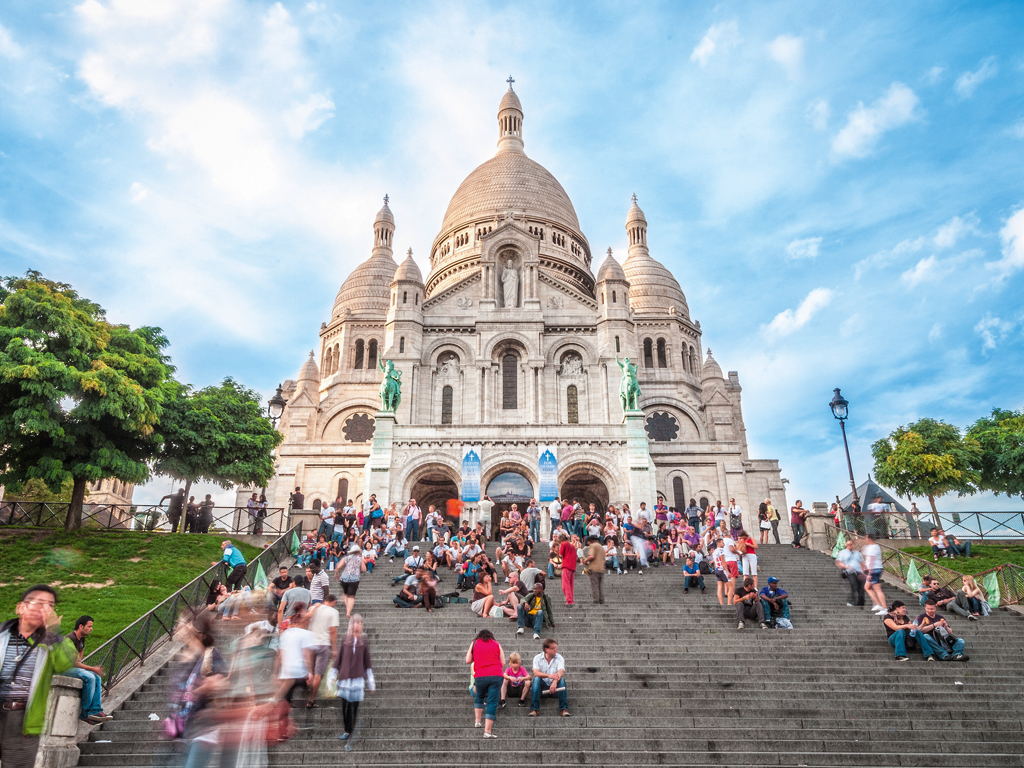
x: 387, y: 200
x: 510, y: 81
x: 634, y: 199
x: 409, y: 254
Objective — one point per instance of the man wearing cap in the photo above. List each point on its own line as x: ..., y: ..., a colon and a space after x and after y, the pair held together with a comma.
x: 774, y: 600
x: 412, y: 562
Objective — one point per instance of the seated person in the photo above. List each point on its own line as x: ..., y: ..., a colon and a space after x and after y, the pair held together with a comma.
x: 369, y: 554
x: 397, y: 546
x: 278, y: 587
x: 630, y: 559
x: 516, y: 679
x: 898, y: 633
x: 939, y: 544
x: 427, y: 588
x: 611, y: 555
x: 968, y: 599
x: 483, y: 596
x: 306, y: 550
x: 335, y: 554
x: 942, y: 640
x: 957, y: 547
x: 774, y: 600
x: 942, y: 596
x: 410, y: 596
x: 412, y: 563
x: 536, y: 609
x: 468, y: 573
x: 928, y: 583
x: 692, y: 577
x: 531, y: 574
x: 444, y: 554
x: 549, y: 678
x: 515, y: 593
x: 481, y: 534
x: 748, y: 606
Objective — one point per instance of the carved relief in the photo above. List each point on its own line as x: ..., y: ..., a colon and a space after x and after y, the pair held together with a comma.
x: 448, y: 366
x: 555, y: 302
x: 572, y: 366
x: 464, y: 302
x: 359, y: 428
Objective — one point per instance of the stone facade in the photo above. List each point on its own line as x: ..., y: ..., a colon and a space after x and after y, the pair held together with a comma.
x: 511, y: 343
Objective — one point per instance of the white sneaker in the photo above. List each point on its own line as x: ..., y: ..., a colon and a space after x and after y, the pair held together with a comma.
x: 520, y: 631
x: 536, y: 636
x: 641, y: 572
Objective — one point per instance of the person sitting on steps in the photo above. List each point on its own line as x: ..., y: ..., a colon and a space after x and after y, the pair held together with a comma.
x: 412, y: 562
x: 940, y: 547
x: 942, y: 640
x: 901, y: 634
x: 775, y: 602
x: 516, y: 679
x: 692, y: 577
x: 538, y: 607
x: 748, y: 606
x: 549, y: 678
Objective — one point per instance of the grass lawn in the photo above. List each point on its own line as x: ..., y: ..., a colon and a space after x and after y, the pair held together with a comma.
x: 983, y: 557
x: 115, y: 577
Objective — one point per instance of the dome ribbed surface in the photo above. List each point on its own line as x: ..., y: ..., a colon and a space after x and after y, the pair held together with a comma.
x: 635, y: 214
x: 367, y: 289
x: 610, y: 269
x: 385, y: 215
x: 652, y: 288
x: 409, y: 271
x: 510, y: 181
x: 309, y: 370
x: 510, y: 101
x: 711, y: 369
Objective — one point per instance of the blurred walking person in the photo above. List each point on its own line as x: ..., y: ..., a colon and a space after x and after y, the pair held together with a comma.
x: 355, y: 674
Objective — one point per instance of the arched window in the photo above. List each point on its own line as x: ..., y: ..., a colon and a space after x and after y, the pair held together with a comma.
x: 343, y: 490
x: 617, y: 344
x: 602, y: 297
x: 686, y: 362
x: 662, y: 362
x: 447, y: 395
x: 401, y: 345
x: 509, y: 382
x: 405, y: 297
x: 359, y: 354
x: 572, y: 405
x: 417, y: 295
x: 371, y: 356
x: 328, y: 357
x: 614, y: 298
x: 648, y: 354
x: 694, y: 361
x: 677, y: 494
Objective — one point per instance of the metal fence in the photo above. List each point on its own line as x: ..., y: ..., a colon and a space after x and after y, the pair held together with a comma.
x: 896, y: 562
x: 964, y: 525
x: 130, y: 647
x: 136, y: 517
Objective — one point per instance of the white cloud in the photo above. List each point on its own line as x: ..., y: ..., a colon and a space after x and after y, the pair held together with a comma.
x: 309, y: 115
x: 8, y: 48
x: 1017, y: 131
x: 720, y: 37
x: 992, y: 330
x: 807, y: 248
x: 968, y: 82
x: 788, y: 50
x: 953, y: 229
x: 935, y: 333
x: 935, y: 75
x: 1012, y: 236
x: 818, y: 114
x: 898, y: 106
x: 788, y: 321
x: 138, y: 192
x: 883, y: 259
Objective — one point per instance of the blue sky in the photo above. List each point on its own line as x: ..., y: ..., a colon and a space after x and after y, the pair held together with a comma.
x: 837, y: 187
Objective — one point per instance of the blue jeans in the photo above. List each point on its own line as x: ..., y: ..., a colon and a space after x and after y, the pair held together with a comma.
x: 535, y: 530
x: 412, y: 530
x: 91, y: 689
x: 326, y: 529
x: 551, y: 570
x: 393, y: 551
x: 784, y: 614
x: 963, y: 550
x: 487, y: 693
x: 542, y: 684
x: 538, y: 619
x: 901, y: 640
x: 692, y: 581
x: 338, y: 536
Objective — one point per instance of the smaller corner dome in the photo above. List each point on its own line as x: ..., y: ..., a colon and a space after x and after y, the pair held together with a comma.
x: 367, y: 289
x: 510, y: 101
x: 610, y: 269
x: 384, y: 215
x: 635, y: 214
x: 408, y: 271
x: 711, y: 369
x: 309, y: 370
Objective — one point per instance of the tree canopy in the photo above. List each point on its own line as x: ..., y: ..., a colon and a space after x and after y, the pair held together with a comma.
x: 928, y: 458
x: 1001, y: 438
x: 80, y: 397
x: 217, y: 434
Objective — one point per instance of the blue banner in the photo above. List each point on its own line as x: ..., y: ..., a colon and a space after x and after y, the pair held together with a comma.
x: 547, y: 474
x: 470, y: 475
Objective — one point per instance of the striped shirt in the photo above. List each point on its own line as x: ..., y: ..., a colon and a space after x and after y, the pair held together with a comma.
x: 17, y: 689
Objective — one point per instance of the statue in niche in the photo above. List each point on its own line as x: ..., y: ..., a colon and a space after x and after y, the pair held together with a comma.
x: 510, y: 285
x: 572, y: 365
x: 448, y: 368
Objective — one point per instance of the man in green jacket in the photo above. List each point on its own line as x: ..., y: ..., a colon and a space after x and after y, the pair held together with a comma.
x: 536, y: 609
x: 30, y: 655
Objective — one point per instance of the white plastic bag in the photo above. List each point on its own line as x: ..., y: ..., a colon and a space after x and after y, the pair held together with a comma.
x: 331, y: 683
x: 781, y: 623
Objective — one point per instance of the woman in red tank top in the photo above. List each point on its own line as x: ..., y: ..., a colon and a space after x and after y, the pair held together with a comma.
x: 488, y: 660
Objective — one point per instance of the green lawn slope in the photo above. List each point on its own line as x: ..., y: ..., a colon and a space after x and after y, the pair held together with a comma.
x: 115, y: 577
x: 983, y: 557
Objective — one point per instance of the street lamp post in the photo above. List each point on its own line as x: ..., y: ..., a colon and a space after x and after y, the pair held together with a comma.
x: 275, y: 407
x: 841, y: 409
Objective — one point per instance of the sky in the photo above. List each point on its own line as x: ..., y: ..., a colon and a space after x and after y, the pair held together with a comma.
x: 838, y: 188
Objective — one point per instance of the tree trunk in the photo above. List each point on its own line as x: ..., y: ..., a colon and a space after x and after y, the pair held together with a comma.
x: 74, y: 519
x: 935, y: 512
x: 184, y: 506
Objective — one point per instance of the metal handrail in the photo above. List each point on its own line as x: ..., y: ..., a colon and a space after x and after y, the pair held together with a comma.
x: 966, y: 525
x: 896, y: 562
x: 133, y: 517
x: 129, y: 648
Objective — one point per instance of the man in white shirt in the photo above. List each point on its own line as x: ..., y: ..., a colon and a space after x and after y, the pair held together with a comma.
x: 412, y: 562
x: 486, y: 505
x: 873, y: 568
x: 295, y: 655
x: 874, y: 519
x: 323, y: 624
x: 555, y: 513
x: 412, y: 521
x: 397, y: 546
x: 549, y: 677
x: 326, y: 522
x: 851, y: 563
x: 732, y: 567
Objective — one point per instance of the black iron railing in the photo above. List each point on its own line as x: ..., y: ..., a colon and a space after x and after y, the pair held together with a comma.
x: 138, y: 517
x: 896, y: 562
x: 130, y: 647
x: 965, y: 525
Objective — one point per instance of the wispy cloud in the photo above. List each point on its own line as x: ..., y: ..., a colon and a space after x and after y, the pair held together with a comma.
x: 720, y: 37
x: 935, y: 333
x: 818, y: 114
x: 806, y: 248
x: 883, y: 259
x: 1012, y: 237
x: 935, y: 75
x: 789, y: 321
x: 992, y: 330
x: 866, y: 125
x: 788, y: 51
x: 950, y: 232
x: 968, y: 82
x: 8, y: 48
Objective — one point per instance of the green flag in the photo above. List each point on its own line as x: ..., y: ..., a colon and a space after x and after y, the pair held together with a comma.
x: 295, y: 544
x: 991, y: 585
x: 840, y: 545
x: 260, y: 581
x: 913, y: 577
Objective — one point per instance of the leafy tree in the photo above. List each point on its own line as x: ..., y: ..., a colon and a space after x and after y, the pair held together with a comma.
x: 1001, y: 437
x: 36, y: 490
x: 79, y: 396
x: 928, y: 458
x: 217, y: 435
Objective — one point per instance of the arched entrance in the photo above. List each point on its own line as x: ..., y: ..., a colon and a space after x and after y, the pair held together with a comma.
x: 585, y: 485
x: 438, y: 489
x: 504, y: 490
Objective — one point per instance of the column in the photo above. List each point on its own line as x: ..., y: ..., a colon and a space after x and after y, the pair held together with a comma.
x: 378, y: 466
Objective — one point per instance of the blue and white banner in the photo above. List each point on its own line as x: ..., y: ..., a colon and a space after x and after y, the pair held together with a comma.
x: 470, y: 473
x: 547, y: 472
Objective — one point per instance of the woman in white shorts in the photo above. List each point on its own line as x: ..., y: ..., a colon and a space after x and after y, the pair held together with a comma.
x: 748, y: 547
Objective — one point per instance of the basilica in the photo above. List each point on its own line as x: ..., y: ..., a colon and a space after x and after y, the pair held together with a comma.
x: 509, y: 355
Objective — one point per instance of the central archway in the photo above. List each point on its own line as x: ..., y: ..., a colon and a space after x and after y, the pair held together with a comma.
x: 506, y: 489
x: 438, y: 489
x: 585, y: 485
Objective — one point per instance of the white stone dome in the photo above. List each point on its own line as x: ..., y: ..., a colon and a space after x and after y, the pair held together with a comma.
x: 368, y: 289
x: 610, y: 269
x: 309, y: 370
x: 711, y: 369
x: 408, y: 271
x: 652, y: 288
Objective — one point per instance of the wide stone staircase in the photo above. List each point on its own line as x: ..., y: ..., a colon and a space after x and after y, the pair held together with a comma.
x: 656, y: 677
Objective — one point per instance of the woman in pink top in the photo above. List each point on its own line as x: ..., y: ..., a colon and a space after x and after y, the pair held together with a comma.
x: 488, y: 660
x: 567, y: 551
